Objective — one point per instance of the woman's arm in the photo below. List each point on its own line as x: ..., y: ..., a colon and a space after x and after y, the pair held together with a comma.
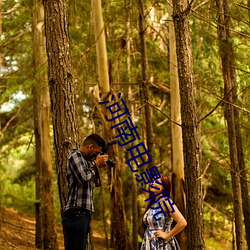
x: 178, y: 218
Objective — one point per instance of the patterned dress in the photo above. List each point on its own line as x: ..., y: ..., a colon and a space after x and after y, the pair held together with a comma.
x: 150, y: 242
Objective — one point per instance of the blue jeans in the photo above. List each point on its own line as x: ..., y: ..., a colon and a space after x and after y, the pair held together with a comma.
x: 76, y: 226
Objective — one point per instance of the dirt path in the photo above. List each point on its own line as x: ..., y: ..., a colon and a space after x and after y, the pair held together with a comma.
x: 18, y: 232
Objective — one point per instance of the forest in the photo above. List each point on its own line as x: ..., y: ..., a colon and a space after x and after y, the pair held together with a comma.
x: 179, y: 72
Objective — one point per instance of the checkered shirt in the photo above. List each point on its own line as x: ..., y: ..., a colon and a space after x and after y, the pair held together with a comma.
x: 80, y: 179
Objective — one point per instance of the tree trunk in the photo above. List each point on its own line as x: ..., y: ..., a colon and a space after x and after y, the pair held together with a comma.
x: 118, y: 213
x: 61, y: 88
x: 46, y: 237
x: 132, y: 108
x: 101, y: 51
x: 37, y: 69
x: 176, y: 132
x: 192, y: 169
x: 243, y: 179
x: 230, y: 93
x: 104, y: 219
x: 102, y: 63
x: 233, y: 236
x: 117, y: 203
x: 144, y: 88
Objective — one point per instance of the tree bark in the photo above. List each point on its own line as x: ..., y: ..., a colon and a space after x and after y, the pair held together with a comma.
x: 104, y: 219
x: 181, y: 16
x: 231, y: 116
x: 61, y: 87
x: 144, y: 87
x: 101, y: 51
x: 132, y: 108
x: 176, y: 132
x: 243, y: 178
x: 46, y: 237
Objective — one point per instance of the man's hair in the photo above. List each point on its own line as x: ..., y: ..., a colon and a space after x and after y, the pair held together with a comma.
x: 94, y: 139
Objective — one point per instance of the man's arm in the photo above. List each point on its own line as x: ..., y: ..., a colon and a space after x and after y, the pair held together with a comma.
x: 80, y: 167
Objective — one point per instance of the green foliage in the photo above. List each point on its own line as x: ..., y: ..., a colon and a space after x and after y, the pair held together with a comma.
x: 25, y: 174
x: 217, y: 229
x: 18, y: 189
x: 15, y: 73
x: 16, y: 48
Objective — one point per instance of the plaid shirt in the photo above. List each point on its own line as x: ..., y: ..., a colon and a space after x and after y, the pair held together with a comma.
x: 80, y: 179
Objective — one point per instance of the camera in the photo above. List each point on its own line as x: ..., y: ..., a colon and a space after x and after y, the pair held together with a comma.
x: 110, y: 162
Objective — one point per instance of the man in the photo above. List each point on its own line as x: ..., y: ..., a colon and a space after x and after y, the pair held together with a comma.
x: 82, y: 169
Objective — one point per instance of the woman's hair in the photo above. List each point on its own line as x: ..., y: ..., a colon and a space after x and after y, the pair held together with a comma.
x: 167, y: 188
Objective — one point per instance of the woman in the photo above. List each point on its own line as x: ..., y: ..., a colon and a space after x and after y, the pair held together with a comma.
x: 158, y: 218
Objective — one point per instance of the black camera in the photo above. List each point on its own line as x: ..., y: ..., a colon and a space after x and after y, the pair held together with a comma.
x: 110, y: 162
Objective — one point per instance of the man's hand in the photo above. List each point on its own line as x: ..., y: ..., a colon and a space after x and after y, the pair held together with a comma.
x: 101, y: 160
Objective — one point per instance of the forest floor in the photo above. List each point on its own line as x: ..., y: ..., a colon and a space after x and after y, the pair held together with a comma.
x: 18, y: 232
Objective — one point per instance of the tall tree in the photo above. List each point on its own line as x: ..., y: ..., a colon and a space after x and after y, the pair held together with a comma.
x: 117, y: 204
x: 144, y: 88
x: 61, y: 87
x: 101, y: 51
x: 46, y: 237
x: 181, y: 17
x: 176, y: 132
x: 243, y: 180
x: 231, y: 115
x: 102, y: 68
x: 134, y: 193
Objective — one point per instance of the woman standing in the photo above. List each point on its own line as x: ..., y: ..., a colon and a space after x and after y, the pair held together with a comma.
x: 159, y: 216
